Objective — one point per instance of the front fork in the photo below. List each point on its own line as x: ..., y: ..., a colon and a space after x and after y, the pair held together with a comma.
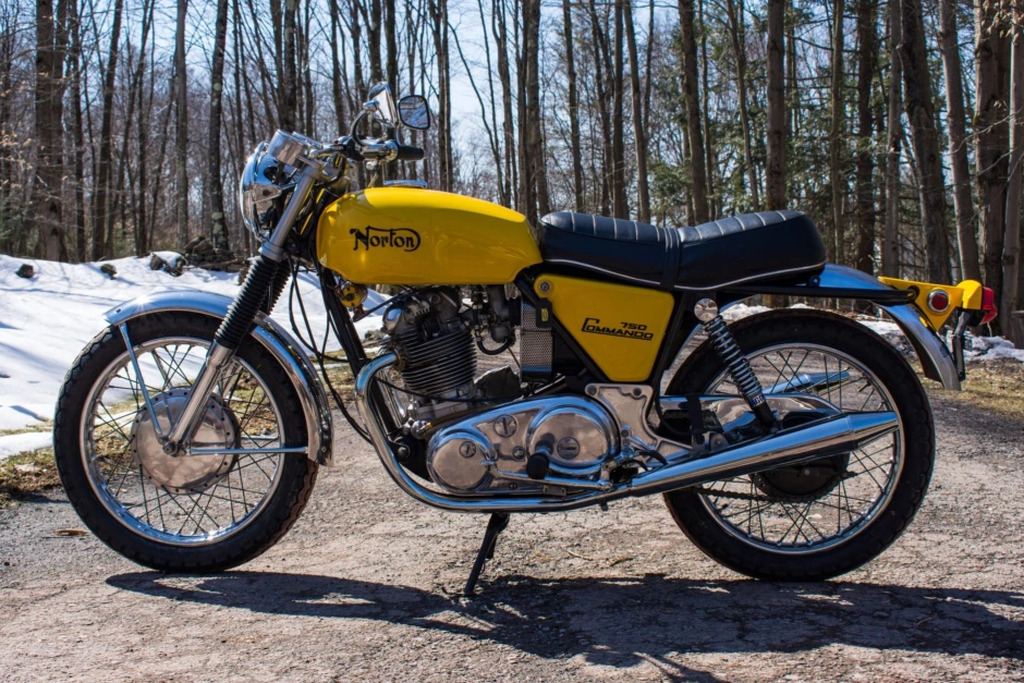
x: 262, y: 285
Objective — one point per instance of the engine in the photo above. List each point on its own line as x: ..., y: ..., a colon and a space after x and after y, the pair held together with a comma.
x: 434, y: 344
x: 478, y: 433
x: 518, y: 446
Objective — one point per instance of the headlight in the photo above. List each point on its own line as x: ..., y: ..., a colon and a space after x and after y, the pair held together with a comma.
x: 260, y: 191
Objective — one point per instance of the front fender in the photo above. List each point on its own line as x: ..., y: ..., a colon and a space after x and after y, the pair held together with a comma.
x: 936, y: 360
x: 272, y: 336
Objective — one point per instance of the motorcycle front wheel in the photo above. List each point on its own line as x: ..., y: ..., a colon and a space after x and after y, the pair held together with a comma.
x: 180, y: 513
x: 826, y: 517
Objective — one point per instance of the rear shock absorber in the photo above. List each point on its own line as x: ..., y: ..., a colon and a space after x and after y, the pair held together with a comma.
x: 729, y: 351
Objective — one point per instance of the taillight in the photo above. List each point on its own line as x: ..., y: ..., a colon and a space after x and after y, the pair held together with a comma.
x: 938, y: 301
x: 988, y: 305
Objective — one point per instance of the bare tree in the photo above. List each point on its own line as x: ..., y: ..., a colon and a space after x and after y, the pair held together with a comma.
x: 693, y: 113
x: 837, y: 132
x: 775, y: 176
x: 962, y: 204
x: 51, y: 44
x: 213, y: 169
x: 100, y: 208
x: 636, y: 102
x: 574, y: 113
x: 894, y: 137
x: 920, y: 107
x: 737, y: 36
x: 992, y: 136
x: 1011, y: 241
x: 867, y: 65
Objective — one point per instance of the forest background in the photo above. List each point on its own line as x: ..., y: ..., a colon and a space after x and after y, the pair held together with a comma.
x: 897, y: 126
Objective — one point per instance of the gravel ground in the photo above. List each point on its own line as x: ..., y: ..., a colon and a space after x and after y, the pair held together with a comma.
x: 364, y: 586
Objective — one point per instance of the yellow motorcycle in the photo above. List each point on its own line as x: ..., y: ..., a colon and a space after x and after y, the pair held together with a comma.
x: 516, y: 374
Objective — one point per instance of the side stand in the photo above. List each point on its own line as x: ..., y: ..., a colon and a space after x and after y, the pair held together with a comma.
x: 497, y: 524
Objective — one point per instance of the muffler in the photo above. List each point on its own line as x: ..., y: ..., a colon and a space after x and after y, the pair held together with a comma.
x: 826, y: 437
x: 830, y: 436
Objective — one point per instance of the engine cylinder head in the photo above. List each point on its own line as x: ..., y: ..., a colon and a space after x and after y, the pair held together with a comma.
x: 434, y: 345
x: 438, y: 366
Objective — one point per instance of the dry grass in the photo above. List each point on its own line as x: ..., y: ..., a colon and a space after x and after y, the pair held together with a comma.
x: 25, y: 474
x: 996, y: 385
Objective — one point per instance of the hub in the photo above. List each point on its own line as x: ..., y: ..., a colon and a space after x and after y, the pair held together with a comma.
x: 184, y: 473
x: 807, y: 481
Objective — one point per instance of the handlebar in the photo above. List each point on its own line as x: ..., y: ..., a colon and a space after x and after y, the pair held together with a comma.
x: 409, y: 153
x: 361, y: 150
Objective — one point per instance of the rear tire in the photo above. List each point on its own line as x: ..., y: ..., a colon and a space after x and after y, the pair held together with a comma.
x: 190, y: 513
x: 787, y: 525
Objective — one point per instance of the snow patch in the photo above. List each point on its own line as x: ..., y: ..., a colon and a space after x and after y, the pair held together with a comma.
x: 22, y: 443
x: 46, y: 321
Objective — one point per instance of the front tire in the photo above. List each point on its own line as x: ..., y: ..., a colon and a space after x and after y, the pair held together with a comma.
x: 826, y: 517
x: 187, y: 513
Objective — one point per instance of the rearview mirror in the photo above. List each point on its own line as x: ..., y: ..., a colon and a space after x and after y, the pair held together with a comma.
x: 382, y: 104
x: 413, y: 111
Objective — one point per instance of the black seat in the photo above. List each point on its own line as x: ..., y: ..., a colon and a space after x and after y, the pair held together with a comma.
x: 730, y: 251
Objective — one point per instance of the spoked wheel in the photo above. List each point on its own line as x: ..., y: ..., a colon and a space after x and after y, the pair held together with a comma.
x: 223, y: 503
x: 828, y: 516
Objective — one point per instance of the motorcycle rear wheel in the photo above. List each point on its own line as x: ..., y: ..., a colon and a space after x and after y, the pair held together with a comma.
x: 826, y: 517
x: 187, y: 513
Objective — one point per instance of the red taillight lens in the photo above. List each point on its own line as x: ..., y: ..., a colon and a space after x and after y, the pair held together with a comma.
x: 938, y: 301
x: 988, y: 304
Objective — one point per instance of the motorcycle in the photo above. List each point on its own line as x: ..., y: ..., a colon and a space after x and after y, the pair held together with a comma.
x: 795, y: 444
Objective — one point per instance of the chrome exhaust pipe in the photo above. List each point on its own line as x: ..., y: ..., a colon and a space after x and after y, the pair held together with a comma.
x: 830, y: 436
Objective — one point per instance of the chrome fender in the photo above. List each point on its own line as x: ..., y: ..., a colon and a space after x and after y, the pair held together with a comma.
x: 271, y: 336
x: 936, y: 360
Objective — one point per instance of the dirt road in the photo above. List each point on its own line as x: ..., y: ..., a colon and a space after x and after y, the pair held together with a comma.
x: 360, y: 590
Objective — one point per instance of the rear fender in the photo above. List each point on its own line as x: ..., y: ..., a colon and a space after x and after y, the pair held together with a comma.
x: 936, y: 360
x: 270, y: 335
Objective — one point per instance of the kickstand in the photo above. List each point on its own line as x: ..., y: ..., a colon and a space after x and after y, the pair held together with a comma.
x: 497, y: 524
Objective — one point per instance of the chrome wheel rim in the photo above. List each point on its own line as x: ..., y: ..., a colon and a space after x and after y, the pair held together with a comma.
x: 746, y: 508
x: 219, y: 496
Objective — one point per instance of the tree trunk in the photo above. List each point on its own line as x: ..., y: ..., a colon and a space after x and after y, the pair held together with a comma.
x: 534, y: 171
x: 691, y: 101
x: 47, y: 193
x: 894, y: 136
x: 1011, y: 241
x: 373, y: 35
x: 738, y: 39
x: 340, y: 110
x: 775, y: 180
x: 602, y: 66
x: 78, y: 133
x: 709, y: 143
x: 920, y: 107
x: 970, y: 267
x: 101, y: 187
x: 574, y: 114
x: 867, y: 65
x: 620, y: 207
x: 992, y: 137
x: 499, y: 29
x: 837, y: 133
x: 439, y: 14
x: 643, y: 197
x: 213, y: 170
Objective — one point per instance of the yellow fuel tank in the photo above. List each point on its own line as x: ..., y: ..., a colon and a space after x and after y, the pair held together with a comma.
x: 412, y: 236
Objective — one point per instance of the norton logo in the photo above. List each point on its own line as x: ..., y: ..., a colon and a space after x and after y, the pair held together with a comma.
x: 369, y: 237
x: 627, y: 330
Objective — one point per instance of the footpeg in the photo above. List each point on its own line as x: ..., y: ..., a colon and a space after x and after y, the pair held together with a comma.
x: 538, y: 465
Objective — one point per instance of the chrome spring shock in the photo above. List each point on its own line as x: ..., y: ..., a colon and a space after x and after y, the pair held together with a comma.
x: 737, y: 364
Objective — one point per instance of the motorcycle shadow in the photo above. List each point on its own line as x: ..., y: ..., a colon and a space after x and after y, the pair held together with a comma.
x: 621, y: 621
